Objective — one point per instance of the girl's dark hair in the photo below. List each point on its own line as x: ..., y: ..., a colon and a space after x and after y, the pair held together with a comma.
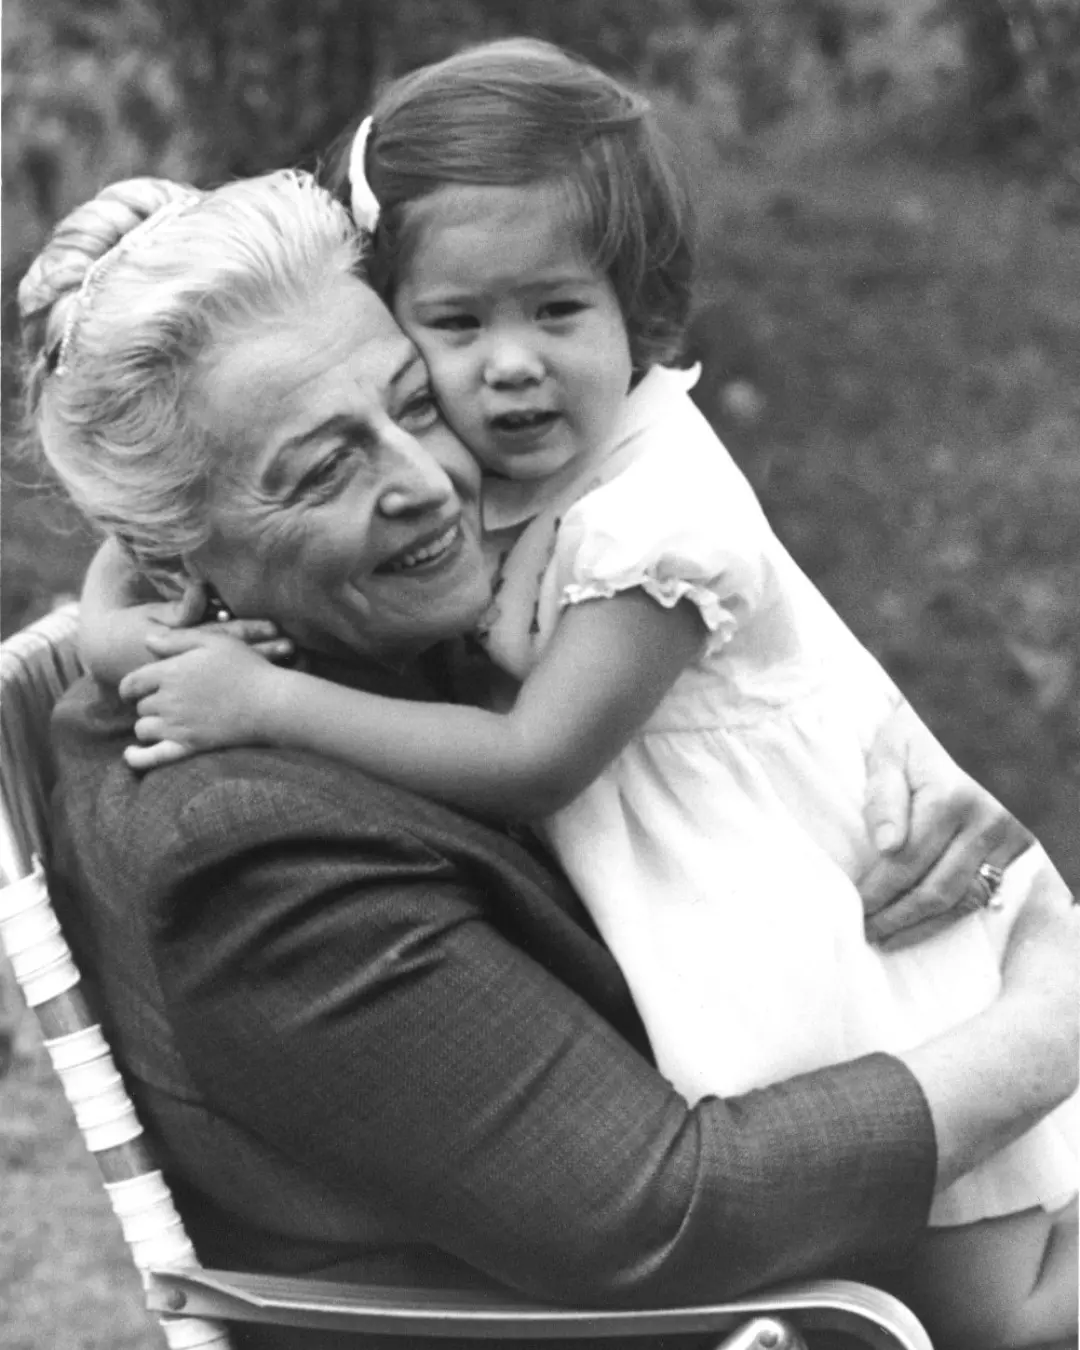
x: 518, y: 112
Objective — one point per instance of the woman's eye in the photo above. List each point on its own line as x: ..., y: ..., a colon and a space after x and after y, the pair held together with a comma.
x: 420, y: 412
x: 322, y: 474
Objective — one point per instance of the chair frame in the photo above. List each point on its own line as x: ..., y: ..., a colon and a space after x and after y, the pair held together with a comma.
x: 195, y: 1305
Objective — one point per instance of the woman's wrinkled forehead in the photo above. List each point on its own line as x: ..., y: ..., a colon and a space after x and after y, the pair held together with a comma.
x: 339, y: 352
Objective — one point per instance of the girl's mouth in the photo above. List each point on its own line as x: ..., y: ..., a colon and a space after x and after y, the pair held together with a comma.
x: 431, y: 553
x: 524, y: 423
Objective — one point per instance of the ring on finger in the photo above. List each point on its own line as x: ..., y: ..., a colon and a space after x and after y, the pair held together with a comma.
x: 971, y: 903
x: 989, y: 878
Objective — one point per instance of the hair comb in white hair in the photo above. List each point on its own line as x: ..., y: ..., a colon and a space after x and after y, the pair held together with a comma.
x: 362, y: 201
x: 99, y: 268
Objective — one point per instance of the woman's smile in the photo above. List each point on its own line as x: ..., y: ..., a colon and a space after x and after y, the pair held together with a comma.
x: 435, y: 550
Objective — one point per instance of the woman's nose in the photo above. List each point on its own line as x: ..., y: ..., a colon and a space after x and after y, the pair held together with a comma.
x: 512, y: 361
x: 415, y: 482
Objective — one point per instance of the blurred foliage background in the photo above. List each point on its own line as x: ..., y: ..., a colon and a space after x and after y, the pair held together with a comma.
x: 889, y: 322
x: 890, y: 304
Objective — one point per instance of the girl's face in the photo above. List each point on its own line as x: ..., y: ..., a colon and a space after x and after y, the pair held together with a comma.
x: 524, y: 339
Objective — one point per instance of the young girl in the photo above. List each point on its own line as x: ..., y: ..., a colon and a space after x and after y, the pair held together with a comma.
x: 693, y: 718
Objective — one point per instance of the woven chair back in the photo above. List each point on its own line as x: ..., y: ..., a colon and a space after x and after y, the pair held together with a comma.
x: 36, y: 666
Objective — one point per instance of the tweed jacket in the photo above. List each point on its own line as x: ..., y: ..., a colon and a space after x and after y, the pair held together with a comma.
x: 369, y: 1032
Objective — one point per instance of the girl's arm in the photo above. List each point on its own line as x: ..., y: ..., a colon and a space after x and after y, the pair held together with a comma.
x: 119, y: 610
x: 118, y: 607
x: 609, y: 663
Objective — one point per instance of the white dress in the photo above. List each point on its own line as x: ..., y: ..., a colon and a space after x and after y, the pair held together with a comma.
x: 717, y: 852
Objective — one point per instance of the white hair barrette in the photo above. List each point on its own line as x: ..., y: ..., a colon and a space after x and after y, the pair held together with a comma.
x: 364, y: 203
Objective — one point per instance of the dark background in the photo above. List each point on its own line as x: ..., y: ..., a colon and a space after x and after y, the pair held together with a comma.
x: 889, y: 323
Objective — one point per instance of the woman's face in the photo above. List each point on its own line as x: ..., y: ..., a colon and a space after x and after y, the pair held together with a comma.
x: 344, y: 509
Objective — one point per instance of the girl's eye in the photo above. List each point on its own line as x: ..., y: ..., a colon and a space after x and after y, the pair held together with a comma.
x: 420, y: 412
x: 562, y: 309
x: 454, y: 323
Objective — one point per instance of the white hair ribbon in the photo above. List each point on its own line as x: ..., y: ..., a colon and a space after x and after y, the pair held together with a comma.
x: 364, y: 203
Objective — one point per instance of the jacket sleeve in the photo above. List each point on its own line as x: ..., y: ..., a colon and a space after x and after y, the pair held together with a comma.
x: 343, y: 994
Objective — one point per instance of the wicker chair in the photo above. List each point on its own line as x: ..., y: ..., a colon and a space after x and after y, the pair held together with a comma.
x: 194, y: 1305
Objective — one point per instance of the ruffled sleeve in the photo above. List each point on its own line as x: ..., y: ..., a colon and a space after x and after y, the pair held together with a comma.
x: 679, y: 530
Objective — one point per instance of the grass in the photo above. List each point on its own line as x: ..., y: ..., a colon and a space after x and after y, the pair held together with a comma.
x: 892, y: 350
x: 66, y: 1282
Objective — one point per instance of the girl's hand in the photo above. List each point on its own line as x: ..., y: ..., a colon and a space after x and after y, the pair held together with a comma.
x: 934, y: 826
x: 189, y: 611
x: 206, y: 692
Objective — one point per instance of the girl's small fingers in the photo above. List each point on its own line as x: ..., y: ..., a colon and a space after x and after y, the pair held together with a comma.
x: 137, y: 684
x: 143, y: 757
x: 250, y: 631
x: 280, y: 649
x: 148, y: 728
x: 174, y: 641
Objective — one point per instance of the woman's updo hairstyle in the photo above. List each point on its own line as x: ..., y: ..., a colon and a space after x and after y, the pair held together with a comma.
x: 519, y: 112
x: 124, y: 310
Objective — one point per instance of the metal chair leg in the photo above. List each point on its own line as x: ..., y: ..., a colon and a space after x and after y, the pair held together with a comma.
x: 764, y: 1333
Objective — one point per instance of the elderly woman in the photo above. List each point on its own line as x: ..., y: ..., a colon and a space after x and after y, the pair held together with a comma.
x: 368, y: 1029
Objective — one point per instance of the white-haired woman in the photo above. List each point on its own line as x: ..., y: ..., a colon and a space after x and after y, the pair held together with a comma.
x: 368, y: 1029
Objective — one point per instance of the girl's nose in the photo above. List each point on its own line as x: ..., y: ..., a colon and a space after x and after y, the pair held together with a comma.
x: 511, y: 361
x: 414, y: 481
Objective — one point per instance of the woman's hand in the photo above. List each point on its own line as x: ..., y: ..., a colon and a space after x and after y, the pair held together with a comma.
x: 934, y: 827
x: 205, y: 692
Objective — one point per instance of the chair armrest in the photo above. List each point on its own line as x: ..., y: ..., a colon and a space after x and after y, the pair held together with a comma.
x: 880, y: 1320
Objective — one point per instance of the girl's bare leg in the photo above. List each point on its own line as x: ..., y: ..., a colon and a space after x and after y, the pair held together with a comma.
x: 1002, y: 1283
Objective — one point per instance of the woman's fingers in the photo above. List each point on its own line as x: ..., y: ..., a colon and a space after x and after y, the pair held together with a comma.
x: 896, y: 873
x: 932, y: 903
x: 934, y: 827
x: 888, y: 803
x: 144, y: 757
x: 948, y: 885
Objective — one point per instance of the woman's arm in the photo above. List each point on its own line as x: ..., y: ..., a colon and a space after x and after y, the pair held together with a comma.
x: 378, y: 1026
x: 527, y: 1137
x: 609, y: 664
x: 120, y: 610
x: 992, y: 1078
